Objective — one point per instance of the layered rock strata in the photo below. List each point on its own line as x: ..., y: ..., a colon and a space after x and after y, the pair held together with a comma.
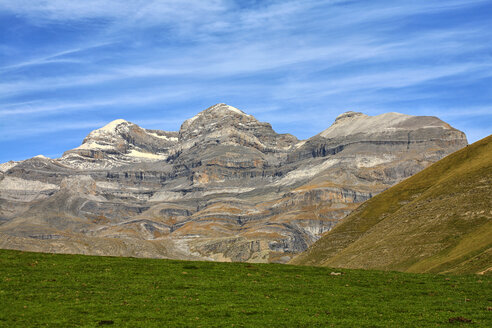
x: 224, y: 187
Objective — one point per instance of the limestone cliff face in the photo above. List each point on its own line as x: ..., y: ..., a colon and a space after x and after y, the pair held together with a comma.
x: 232, y: 126
x: 224, y: 187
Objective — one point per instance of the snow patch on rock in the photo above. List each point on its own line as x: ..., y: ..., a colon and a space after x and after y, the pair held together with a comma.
x: 4, y: 167
x: 234, y: 109
x: 139, y: 154
x: 216, y: 108
x: 91, y: 145
x: 107, y: 130
x: 41, y: 157
x: 111, y: 126
x: 174, y: 139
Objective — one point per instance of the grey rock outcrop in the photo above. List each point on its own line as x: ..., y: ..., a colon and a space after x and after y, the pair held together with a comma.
x: 120, y: 142
x: 224, y: 187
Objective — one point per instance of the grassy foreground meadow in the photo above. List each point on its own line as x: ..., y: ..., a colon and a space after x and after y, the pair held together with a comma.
x: 73, y: 290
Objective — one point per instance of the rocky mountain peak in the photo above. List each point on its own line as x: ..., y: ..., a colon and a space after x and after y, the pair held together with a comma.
x: 222, y: 109
x: 109, y: 137
x: 222, y: 125
x: 213, y: 113
x: 120, y: 142
x: 111, y: 126
x: 112, y: 129
x: 41, y: 157
x: 353, y: 123
x: 217, y: 117
x: 349, y: 115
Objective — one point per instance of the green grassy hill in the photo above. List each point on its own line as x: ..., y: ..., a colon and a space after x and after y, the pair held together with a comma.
x: 44, y: 290
x: 439, y: 220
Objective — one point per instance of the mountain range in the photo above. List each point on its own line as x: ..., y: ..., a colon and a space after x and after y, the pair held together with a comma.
x: 224, y: 187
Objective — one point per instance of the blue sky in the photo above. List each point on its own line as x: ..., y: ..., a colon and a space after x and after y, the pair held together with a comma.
x: 69, y: 66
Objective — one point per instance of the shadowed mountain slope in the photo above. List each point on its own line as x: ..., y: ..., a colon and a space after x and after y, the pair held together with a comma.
x: 439, y: 220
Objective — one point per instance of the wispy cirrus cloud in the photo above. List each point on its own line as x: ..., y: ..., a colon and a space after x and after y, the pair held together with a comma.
x: 71, y: 10
x: 50, y: 107
x: 286, y: 62
x: 57, y: 57
x: 221, y: 61
x: 393, y: 79
x: 23, y: 131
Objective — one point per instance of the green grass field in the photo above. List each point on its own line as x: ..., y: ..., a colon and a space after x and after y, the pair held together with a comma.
x: 39, y: 290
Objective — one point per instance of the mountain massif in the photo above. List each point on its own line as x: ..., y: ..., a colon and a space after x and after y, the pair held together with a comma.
x: 439, y: 220
x: 224, y: 187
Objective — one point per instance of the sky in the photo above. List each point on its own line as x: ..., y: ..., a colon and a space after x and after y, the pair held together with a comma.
x: 68, y: 67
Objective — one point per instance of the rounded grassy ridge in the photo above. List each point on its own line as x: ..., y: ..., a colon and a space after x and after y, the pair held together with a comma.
x: 439, y: 220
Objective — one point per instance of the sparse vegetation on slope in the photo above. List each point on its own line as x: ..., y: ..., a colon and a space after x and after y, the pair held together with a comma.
x: 439, y: 220
x: 225, y: 187
x: 73, y: 290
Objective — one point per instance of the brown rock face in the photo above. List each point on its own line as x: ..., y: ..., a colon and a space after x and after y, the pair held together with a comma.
x: 225, y: 187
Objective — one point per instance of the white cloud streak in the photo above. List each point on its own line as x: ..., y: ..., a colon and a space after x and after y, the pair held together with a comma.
x: 396, y: 78
x: 57, y: 57
x: 33, y: 130
x: 50, y: 107
x: 222, y: 61
x: 218, y: 43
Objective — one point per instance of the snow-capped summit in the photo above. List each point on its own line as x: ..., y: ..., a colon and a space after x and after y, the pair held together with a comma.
x: 213, y: 113
x: 111, y: 129
x: 111, y: 126
x: 215, y: 117
x: 226, y: 109
x: 120, y: 142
